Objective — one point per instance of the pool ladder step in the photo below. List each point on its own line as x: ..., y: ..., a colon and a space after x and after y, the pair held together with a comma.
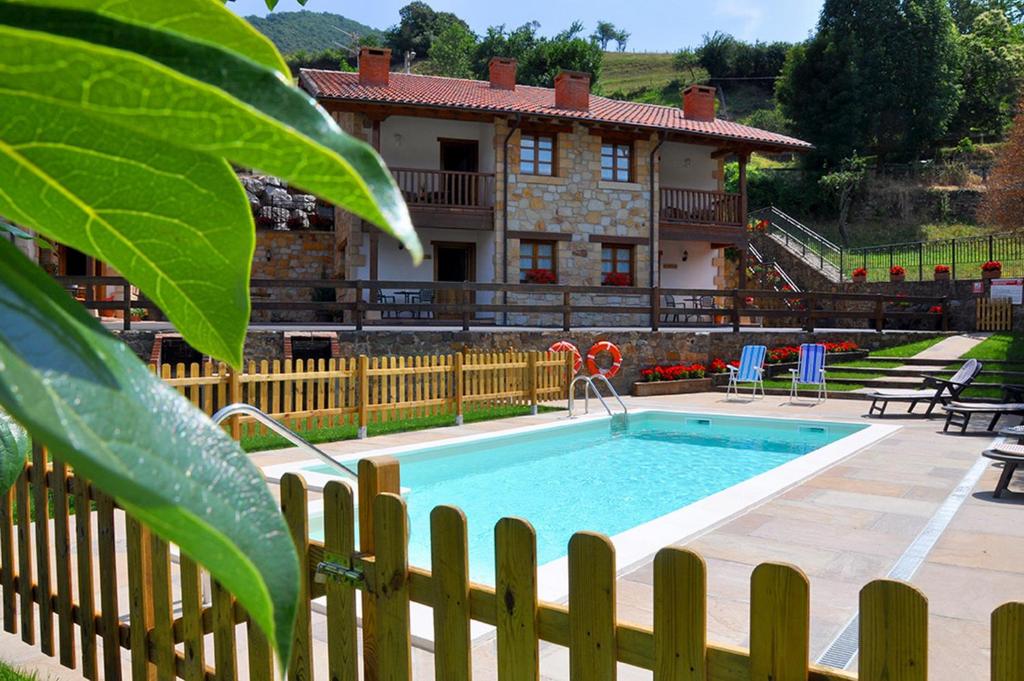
x: 591, y: 386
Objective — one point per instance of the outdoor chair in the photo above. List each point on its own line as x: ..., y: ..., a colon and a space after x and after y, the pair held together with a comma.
x: 750, y: 370
x: 810, y: 371
x: 385, y: 299
x: 425, y: 297
x: 705, y: 303
x: 1011, y: 456
x: 960, y: 413
x: 936, y: 391
x: 670, y: 303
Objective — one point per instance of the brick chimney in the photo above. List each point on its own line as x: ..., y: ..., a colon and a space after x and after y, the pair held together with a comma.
x: 699, y: 103
x: 374, y: 66
x: 503, y: 73
x: 572, y: 90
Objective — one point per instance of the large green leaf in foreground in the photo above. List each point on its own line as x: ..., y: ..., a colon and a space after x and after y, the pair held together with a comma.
x: 83, y: 393
x: 165, y: 214
x: 14, y: 450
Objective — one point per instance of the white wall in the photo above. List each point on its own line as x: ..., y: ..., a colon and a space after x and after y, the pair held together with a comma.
x: 410, y: 142
x: 697, y: 272
x: 687, y: 166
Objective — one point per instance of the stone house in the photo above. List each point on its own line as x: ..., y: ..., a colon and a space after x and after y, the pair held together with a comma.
x: 509, y: 183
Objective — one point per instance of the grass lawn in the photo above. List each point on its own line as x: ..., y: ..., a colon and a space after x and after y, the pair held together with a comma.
x: 907, y: 349
x: 257, y: 443
x: 9, y: 673
x: 999, y: 346
x: 835, y: 387
x: 866, y: 364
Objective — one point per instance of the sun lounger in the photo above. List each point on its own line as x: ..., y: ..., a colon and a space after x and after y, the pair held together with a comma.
x: 1011, y: 456
x: 936, y: 391
x: 960, y: 413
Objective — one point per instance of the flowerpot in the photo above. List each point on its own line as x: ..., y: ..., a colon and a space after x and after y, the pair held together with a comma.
x: 860, y: 278
x: 681, y: 387
x: 897, y: 278
x: 942, y: 276
x: 991, y: 274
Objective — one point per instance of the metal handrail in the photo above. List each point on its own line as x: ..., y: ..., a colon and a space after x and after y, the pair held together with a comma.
x: 588, y: 381
x: 612, y: 390
x: 237, y: 408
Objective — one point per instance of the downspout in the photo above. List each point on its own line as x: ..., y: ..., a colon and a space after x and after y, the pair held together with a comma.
x: 504, y: 215
x: 653, y: 227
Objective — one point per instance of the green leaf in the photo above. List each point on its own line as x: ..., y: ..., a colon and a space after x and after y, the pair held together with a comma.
x: 192, y: 94
x: 83, y: 394
x: 199, y: 19
x: 14, y: 450
x: 167, y: 217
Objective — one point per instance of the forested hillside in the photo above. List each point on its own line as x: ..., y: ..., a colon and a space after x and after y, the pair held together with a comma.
x: 310, y: 31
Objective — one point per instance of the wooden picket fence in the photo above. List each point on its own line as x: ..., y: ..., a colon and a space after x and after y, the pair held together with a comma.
x: 368, y: 390
x: 994, y: 314
x: 48, y: 573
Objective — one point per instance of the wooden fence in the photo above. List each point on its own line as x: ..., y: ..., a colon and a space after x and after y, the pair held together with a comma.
x: 994, y: 314
x: 369, y: 390
x: 46, y: 572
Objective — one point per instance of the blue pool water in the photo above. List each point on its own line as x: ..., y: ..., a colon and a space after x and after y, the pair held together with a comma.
x: 584, y: 477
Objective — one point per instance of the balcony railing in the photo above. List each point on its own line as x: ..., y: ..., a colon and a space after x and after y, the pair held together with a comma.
x: 695, y: 206
x: 445, y: 188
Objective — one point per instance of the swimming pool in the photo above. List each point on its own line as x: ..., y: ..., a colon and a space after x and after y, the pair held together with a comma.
x: 592, y: 475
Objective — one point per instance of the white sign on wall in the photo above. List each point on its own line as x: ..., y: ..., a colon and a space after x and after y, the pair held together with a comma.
x: 1008, y: 288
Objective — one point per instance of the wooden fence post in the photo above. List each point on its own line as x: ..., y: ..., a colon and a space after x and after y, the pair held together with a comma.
x: 377, y: 476
x: 357, y: 313
x: 466, y: 294
x: 391, y: 588
x: 655, y: 307
x: 339, y: 539
x: 234, y: 397
x: 449, y: 564
x: 592, y: 644
x: 1008, y: 642
x: 736, y: 311
x: 531, y: 363
x: 295, y: 508
x: 680, y: 616
x: 809, y: 302
x: 364, y: 393
x: 459, y: 386
x: 780, y: 623
x: 893, y: 632
x: 140, y: 597
x: 515, y: 564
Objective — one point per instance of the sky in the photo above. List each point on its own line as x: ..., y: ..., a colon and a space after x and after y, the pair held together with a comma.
x: 656, y: 25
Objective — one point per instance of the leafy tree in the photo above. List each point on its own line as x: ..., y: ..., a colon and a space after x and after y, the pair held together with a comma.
x: 842, y: 185
x: 992, y: 73
x: 329, y: 59
x: 1003, y: 205
x: 621, y: 38
x: 605, y: 33
x: 417, y: 28
x: 718, y: 53
x: 540, y: 59
x: 451, y: 53
x: 75, y: 111
x: 310, y: 31
x: 966, y: 12
x: 768, y: 119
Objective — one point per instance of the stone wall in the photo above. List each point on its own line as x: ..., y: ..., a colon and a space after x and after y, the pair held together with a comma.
x: 288, y: 255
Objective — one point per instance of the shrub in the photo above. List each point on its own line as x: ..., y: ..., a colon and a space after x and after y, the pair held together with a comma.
x: 897, y: 271
x: 992, y: 266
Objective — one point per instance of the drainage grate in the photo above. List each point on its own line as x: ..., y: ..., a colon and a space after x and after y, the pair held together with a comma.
x: 841, y: 651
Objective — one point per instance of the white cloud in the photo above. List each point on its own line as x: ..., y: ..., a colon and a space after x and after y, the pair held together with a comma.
x: 744, y: 17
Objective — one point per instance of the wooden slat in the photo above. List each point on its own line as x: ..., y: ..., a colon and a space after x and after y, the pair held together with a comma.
x: 295, y: 507
x: 339, y: 539
x: 163, y: 615
x: 10, y: 604
x: 225, y: 659
x: 28, y: 617
x: 192, y: 620
x: 62, y: 564
x: 140, y: 597
x: 109, y: 611
x: 41, y: 497
x: 893, y: 632
x: 86, y: 585
x: 260, y: 657
x: 391, y: 536
x: 515, y: 559
x: 449, y: 556
x: 1008, y: 642
x: 680, y: 616
x: 780, y: 623
x: 592, y: 644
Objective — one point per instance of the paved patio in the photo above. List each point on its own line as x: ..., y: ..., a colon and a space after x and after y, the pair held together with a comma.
x: 844, y: 526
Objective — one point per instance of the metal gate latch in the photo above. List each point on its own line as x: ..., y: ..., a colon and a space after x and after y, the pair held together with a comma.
x: 334, y: 569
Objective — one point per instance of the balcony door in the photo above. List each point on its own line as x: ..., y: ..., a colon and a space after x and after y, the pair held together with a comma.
x: 459, y: 157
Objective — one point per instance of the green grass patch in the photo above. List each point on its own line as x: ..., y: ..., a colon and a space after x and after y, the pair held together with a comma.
x: 869, y: 364
x: 9, y: 673
x: 998, y: 347
x: 257, y: 443
x: 907, y: 349
x: 837, y: 387
x: 856, y: 375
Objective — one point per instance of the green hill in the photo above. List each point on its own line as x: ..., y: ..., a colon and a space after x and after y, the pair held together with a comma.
x: 309, y: 31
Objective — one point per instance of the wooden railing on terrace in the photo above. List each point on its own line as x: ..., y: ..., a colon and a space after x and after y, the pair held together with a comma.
x: 445, y: 188
x: 696, y: 206
x: 356, y: 300
x: 39, y: 553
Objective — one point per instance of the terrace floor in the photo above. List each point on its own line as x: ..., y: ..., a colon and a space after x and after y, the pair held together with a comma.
x: 844, y: 526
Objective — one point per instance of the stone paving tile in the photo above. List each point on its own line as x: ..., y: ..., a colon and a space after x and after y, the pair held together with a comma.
x: 980, y: 550
x: 967, y: 592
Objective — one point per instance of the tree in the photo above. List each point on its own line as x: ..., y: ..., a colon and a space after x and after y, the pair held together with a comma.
x: 992, y: 73
x: 686, y: 60
x: 176, y: 225
x: 330, y: 59
x: 768, y: 119
x: 605, y: 33
x: 417, y: 28
x: 1003, y: 205
x: 966, y: 12
x: 843, y: 185
x: 717, y: 54
x: 540, y: 59
x: 621, y: 38
x: 451, y: 53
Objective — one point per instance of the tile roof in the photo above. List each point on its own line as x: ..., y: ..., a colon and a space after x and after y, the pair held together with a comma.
x: 477, y: 95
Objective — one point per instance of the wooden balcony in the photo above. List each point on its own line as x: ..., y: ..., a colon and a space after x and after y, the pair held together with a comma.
x: 447, y: 198
x: 698, y: 214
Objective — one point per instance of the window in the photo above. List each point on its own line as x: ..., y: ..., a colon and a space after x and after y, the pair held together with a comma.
x: 537, y: 262
x: 615, y: 161
x: 616, y: 265
x: 537, y: 155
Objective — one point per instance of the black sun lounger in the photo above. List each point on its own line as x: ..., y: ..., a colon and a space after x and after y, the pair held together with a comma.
x: 1011, y: 456
x: 960, y: 413
x: 936, y: 390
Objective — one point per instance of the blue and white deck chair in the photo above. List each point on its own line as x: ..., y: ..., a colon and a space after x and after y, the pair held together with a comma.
x: 750, y: 370
x: 810, y: 370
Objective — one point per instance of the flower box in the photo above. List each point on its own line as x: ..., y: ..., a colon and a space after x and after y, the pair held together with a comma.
x: 683, y: 386
x: 991, y: 274
x: 942, y: 276
x: 860, y: 275
x: 897, y: 274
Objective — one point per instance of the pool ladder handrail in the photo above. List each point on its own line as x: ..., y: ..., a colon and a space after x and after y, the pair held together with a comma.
x: 590, y: 385
x: 294, y: 438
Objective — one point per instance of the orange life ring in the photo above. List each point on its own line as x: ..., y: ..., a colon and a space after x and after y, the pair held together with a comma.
x: 566, y: 346
x: 596, y: 349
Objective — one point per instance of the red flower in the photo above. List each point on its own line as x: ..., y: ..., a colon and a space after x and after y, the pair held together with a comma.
x: 897, y: 271
x: 941, y: 269
x: 860, y: 272
x: 617, y: 279
x: 540, y: 277
x: 992, y: 266
x: 935, y: 309
x: 718, y: 366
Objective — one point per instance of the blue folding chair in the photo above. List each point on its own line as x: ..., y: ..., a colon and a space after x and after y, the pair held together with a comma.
x: 810, y: 371
x: 750, y: 370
